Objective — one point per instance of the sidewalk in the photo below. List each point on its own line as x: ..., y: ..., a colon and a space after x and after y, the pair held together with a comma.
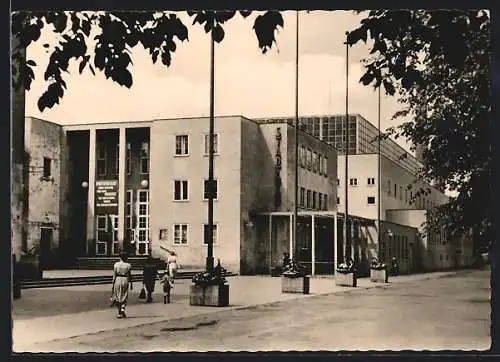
x: 245, y: 291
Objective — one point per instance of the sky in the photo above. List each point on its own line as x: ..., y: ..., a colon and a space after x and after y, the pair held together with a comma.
x: 247, y: 82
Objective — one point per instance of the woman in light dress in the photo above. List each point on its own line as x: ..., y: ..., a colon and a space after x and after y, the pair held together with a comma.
x: 122, y: 278
x: 172, y: 266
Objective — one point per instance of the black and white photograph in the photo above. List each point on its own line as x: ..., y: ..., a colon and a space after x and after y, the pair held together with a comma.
x: 251, y: 180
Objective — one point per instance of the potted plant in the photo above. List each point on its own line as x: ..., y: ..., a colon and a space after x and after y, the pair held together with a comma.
x: 210, y: 288
x: 346, y: 274
x: 294, y: 278
x: 378, y: 271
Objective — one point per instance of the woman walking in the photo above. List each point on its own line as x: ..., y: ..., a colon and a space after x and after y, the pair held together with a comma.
x: 122, y: 278
x: 172, y: 266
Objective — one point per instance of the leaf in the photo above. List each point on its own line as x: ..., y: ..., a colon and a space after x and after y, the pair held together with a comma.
x: 265, y: 26
x: 218, y: 33
x: 92, y: 69
x: 83, y: 63
x: 389, y: 87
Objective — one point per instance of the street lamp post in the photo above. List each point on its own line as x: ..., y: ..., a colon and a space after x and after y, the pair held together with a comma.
x: 346, y: 183
x: 296, y: 169
x: 209, y: 236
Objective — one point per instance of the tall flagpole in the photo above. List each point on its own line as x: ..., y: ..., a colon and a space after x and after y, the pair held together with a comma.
x: 210, y: 233
x: 379, y: 180
x: 346, y: 181
x: 296, y: 198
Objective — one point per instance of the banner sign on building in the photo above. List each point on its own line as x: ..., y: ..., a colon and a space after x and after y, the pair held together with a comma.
x: 106, y: 192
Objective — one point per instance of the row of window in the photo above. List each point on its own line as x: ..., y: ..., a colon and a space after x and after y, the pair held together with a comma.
x: 181, y: 149
x: 313, y: 200
x: 313, y: 161
x: 395, y: 246
x: 102, y: 163
x: 182, y: 144
x: 370, y: 181
x: 370, y: 200
x: 420, y: 202
x: 181, y: 190
x: 181, y: 234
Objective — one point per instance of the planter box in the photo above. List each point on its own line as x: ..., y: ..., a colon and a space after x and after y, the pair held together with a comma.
x: 291, y: 284
x: 346, y: 279
x: 210, y: 296
x: 379, y: 276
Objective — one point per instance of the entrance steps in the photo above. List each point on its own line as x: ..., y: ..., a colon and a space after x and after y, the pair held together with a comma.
x: 107, y: 262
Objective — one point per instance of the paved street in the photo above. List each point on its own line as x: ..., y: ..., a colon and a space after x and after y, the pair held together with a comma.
x: 440, y: 311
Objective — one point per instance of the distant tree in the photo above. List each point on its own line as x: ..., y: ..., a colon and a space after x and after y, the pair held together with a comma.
x: 438, y: 64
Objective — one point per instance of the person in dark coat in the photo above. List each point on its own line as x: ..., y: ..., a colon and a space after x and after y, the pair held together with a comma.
x: 149, y: 276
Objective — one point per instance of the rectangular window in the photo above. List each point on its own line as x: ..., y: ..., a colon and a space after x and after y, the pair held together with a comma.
x: 325, y: 201
x: 406, y: 195
x: 214, y: 234
x: 309, y: 160
x: 371, y: 200
x: 207, y: 143
x: 320, y: 201
x: 128, y: 159
x: 314, y: 199
x: 338, y: 182
x: 102, y: 223
x: 144, y: 157
x: 338, y: 200
x: 320, y: 169
x: 389, y: 187
x: 401, y: 193
x: 180, y: 234
x: 325, y: 168
x: 353, y: 182
x: 47, y: 163
x: 182, y: 145
x: 395, y: 190
x: 371, y: 181
x: 315, y: 162
x: 308, y: 199
x: 303, y: 156
x: 180, y: 190
x: 101, y: 159
x: 302, y: 197
x: 128, y: 210
x: 206, y: 189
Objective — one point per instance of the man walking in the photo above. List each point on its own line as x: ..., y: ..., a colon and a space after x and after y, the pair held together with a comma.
x: 149, y: 276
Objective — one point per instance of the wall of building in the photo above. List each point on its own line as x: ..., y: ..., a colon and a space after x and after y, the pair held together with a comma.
x: 258, y: 187
x: 43, y: 140
x: 166, y: 167
x: 399, y: 241
x: 362, y: 167
x: 308, y: 179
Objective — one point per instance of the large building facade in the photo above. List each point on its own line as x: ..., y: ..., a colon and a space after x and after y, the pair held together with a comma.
x: 97, y: 189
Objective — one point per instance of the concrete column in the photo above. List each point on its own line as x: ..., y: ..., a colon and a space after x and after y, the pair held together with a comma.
x: 313, y: 244
x: 335, y: 237
x: 91, y: 190
x: 270, y: 242
x: 121, y: 184
x: 291, y: 236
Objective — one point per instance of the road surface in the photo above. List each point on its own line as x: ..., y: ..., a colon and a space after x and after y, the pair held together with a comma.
x: 451, y: 313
